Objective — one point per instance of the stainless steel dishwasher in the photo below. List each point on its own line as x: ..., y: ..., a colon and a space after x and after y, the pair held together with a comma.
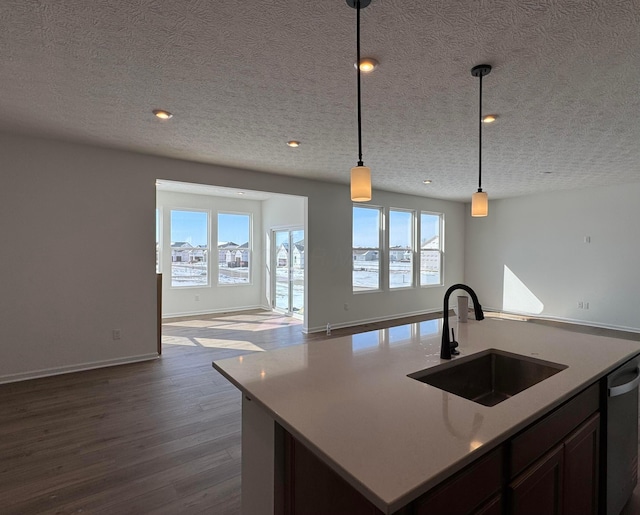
x: 621, y: 435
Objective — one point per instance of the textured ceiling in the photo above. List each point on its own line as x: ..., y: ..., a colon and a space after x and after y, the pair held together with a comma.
x: 242, y: 78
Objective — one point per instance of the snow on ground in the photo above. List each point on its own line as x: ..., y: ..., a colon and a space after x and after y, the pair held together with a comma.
x: 195, y: 274
x: 366, y: 275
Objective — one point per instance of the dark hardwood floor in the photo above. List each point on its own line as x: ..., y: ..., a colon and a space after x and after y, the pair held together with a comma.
x: 155, y: 437
x: 161, y: 436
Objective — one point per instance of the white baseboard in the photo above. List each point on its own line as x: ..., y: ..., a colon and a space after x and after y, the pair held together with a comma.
x: 352, y: 323
x: 588, y: 323
x: 47, y: 372
x: 575, y: 321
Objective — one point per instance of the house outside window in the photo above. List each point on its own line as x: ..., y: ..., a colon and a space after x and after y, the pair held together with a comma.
x: 401, y: 248
x: 366, y: 248
x: 234, y: 248
x: 431, y: 248
x: 189, y: 248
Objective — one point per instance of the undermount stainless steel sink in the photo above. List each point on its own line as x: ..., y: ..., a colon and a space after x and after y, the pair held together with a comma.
x: 488, y: 377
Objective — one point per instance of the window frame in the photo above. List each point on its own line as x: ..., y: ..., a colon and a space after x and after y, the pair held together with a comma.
x: 412, y: 250
x: 440, y: 249
x: 159, y: 239
x: 250, y: 255
x: 379, y: 249
x: 207, y: 249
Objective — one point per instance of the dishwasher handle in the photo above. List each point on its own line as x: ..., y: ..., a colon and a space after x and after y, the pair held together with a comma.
x: 626, y: 387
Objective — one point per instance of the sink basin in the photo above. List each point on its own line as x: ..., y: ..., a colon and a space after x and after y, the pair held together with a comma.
x: 489, y: 377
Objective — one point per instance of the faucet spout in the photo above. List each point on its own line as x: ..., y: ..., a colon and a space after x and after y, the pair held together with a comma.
x: 445, y: 348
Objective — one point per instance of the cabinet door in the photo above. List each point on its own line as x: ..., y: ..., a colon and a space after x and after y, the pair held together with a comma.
x: 581, y: 453
x: 534, y: 442
x: 539, y: 488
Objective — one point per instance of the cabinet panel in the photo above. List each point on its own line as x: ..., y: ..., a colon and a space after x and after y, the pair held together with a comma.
x: 466, y: 492
x: 527, y: 447
x: 312, y: 488
x: 493, y: 507
x: 581, y: 461
x: 539, y: 489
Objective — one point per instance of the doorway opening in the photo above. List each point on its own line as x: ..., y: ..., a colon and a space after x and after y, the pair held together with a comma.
x: 207, y: 270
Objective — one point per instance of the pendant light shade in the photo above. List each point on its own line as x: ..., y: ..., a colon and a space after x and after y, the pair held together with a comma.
x: 480, y: 199
x: 360, y: 184
x: 360, y: 174
x: 479, y: 204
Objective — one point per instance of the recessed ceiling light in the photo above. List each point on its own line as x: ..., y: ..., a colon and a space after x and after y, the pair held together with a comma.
x: 162, y: 114
x: 293, y: 143
x: 241, y: 193
x: 427, y: 181
x: 489, y: 118
x: 367, y: 64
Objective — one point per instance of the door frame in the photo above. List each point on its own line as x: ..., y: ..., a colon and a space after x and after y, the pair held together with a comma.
x: 273, y: 260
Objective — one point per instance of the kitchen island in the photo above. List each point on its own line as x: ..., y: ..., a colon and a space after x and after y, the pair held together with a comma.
x: 390, y: 438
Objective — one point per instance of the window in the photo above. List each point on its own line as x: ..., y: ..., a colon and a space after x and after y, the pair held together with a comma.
x: 189, y: 248
x: 431, y: 225
x: 400, y: 249
x: 234, y: 248
x: 367, y: 230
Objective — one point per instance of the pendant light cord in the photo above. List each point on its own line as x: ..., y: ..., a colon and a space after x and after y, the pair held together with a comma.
x: 480, y: 137
x: 360, y: 163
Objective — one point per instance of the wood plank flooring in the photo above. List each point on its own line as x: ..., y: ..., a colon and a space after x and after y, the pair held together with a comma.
x: 156, y: 437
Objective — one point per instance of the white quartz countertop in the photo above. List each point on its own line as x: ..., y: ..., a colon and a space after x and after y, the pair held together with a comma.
x: 391, y: 437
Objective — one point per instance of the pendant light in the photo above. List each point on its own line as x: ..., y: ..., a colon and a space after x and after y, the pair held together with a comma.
x: 480, y: 200
x: 360, y: 174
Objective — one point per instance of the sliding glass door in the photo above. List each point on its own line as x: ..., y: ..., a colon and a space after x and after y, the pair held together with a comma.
x: 288, y: 260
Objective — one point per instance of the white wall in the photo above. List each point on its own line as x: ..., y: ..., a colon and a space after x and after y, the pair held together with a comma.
x: 75, y: 224
x: 329, y: 250
x: 214, y: 298
x: 283, y: 212
x: 529, y: 255
x: 98, y: 206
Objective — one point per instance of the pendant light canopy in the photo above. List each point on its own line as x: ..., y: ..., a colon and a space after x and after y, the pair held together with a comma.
x: 360, y: 174
x: 480, y: 200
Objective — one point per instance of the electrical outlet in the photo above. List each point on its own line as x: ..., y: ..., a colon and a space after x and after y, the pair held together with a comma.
x: 115, y: 334
x: 346, y: 306
x: 197, y: 298
x: 580, y: 304
x: 586, y: 305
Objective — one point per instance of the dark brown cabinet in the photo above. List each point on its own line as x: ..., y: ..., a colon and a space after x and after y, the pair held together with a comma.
x: 313, y: 488
x: 493, y: 507
x: 564, y: 481
x: 475, y: 490
x: 581, y: 465
x: 550, y: 467
x: 539, y: 488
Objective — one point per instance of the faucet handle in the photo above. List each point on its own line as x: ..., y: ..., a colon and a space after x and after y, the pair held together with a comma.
x: 453, y: 344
